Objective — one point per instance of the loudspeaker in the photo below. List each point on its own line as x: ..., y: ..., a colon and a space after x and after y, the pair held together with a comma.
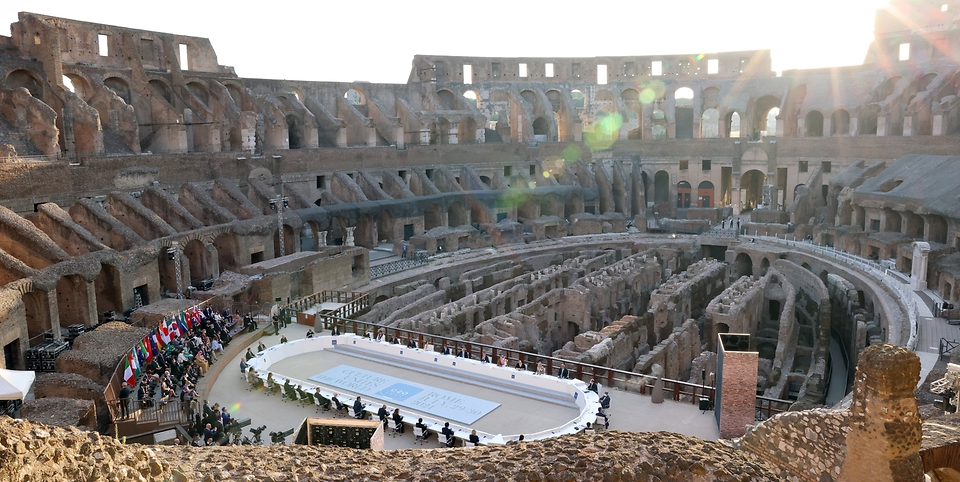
x: 705, y: 404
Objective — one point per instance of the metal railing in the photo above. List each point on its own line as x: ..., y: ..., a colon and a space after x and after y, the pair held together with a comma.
x: 905, y: 293
x: 151, y: 412
x: 608, y: 377
x: 419, y: 258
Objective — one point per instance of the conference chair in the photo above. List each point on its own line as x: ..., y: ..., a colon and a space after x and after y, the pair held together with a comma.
x: 418, y: 433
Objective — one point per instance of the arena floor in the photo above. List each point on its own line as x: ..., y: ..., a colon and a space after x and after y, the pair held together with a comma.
x: 629, y: 411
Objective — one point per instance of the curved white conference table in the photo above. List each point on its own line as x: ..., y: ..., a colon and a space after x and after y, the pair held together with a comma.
x: 587, y: 401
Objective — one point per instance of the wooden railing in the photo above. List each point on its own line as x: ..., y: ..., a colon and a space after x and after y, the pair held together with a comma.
x: 154, y: 416
x: 608, y: 377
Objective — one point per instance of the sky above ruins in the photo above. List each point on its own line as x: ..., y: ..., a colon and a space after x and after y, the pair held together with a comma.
x: 376, y: 40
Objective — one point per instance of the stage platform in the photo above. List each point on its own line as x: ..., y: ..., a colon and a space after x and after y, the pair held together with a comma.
x: 516, y: 414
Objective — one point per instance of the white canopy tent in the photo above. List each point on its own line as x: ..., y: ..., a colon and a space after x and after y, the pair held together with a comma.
x: 15, y: 384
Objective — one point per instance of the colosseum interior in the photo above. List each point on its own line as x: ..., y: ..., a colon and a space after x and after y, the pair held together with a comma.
x: 623, y: 215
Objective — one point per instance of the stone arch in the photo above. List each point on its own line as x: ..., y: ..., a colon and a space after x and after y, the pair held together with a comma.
x: 337, y: 231
x: 574, y: 205
x: 200, y: 91
x: 751, y: 187
x: 763, y: 108
x: 661, y: 187
x: 457, y: 215
x: 80, y: 87
x: 289, y: 246
x: 550, y: 205
x: 579, y: 100
x: 541, y: 127
x: 529, y: 97
x: 472, y: 96
x: 108, y: 289
x: 732, y: 124
x: 744, y: 265
x: 683, y: 113
x: 228, y: 252
x: 814, y: 123
x: 236, y: 93
x: 705, y: 194
x: 354, y: 96
x: 448, y: 99
x: 365, y: 233
x: 683, y: 194
x: 73, y: 306
x: 120, y: 87
x: 479, y: 213
x: 294, y: 131
x: 432, y: 217
x: 199, y: 260
x: 26, y: 79
x: 868, y: 120
x: 658, y: 128
x: 160, y: 88
x: 36, y: 307
x: 467, y: 131
x: 710, y: 124
x: 385, y: 228
x: 840, y: 123
x: 764, y: 266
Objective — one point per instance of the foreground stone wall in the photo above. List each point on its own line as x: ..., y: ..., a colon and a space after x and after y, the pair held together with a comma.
x: 30, y: 451
x: 811, y: 444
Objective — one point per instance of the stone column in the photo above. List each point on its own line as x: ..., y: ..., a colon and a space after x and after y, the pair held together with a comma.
x: 349, y: 240
x: 918, y: 275
x: 322, y: 238
x: 883, y: 444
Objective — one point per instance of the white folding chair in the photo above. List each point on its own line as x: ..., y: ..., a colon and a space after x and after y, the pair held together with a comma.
x: 418, y: 433
x: 599, y: 423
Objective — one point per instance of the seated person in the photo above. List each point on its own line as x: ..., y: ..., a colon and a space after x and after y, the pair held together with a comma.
x: 303, y: 395
x: 588, y: 428
x: 335, y: 331
x: 398, y: 420
x: 484, y: 358
x: 336, y: 402
x: 592, y: 386
x: 253, y: 379
x: 260, y: 347
x: 446, y: 350
x: 310, y: 333
x: 422, y: 426
x: 520, y: 365
x: 323, y: 401
x: 243, y: 366
x: 474, y: 438
x: 358, y: 409
x: 283, y: 339
x: 540, y: 369
x: 606, y: 418
x: 448, y: 433
x: 605, y: 400
x: 412, y: 344
x: 380, y: 336
x: 383, y: 415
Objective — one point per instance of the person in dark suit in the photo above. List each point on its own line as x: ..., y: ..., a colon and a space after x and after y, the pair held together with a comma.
x: 382, y: 414
x: 124, y: 397
x: 592, y: 386
x: 358, y: 409
x: 474, y: 438
x: 563, y: 374
x: 423, y: 426
x: 398, y: 420
x: 448, y: 434
x: 446, y: 350
x: 605, y: 400
x: 606, y: 418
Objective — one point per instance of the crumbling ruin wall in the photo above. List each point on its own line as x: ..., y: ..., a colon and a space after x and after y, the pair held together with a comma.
x: 739, y: 308
x: 675, y: 354
x: 810, y: 444
x: 813, y: 345
x: 849, y: 318
x: 686, y: 294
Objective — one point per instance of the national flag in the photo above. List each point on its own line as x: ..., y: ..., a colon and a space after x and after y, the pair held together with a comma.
x: 129, y: 372
x: 154, y: 339
x: 164, y: 332
x: 188, y: 318
x: 144, y: 352
x: 181, y: 321
x: 174, y: 328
